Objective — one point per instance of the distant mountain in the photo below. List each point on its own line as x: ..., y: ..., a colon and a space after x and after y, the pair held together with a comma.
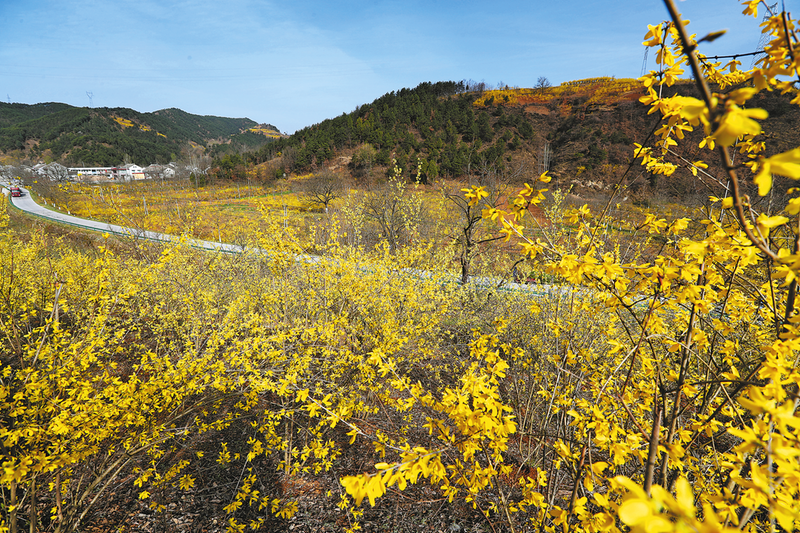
x: 108, y: 136
x: 11, y: 114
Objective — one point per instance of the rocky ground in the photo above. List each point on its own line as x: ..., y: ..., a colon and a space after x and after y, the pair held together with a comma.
x: 201, y: 511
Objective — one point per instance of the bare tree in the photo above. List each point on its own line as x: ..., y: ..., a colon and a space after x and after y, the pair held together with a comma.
x: 468, y: 234
x: 396, y: 211
x: 323, y: 188
x: 194, y: 159
x: 56, y: 172
x: 542, y: 83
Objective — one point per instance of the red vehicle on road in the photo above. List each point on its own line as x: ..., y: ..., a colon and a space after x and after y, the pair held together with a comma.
x: 16, y: 191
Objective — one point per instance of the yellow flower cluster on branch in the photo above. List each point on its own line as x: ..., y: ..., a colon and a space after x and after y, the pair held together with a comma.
x: 710, y: 344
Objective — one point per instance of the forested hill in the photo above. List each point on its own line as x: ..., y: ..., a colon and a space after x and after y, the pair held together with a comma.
x: 582, y: 131
x: 109, y: 136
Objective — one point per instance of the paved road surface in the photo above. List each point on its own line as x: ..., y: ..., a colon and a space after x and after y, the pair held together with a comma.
x: 27, y: 204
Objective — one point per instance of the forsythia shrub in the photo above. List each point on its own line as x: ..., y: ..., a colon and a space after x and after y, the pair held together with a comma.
x: 113, y: 365
x: 683, y: 417
x: 653, y: 388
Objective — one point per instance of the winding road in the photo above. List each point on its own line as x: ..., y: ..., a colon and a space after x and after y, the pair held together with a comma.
x: 27, y: 204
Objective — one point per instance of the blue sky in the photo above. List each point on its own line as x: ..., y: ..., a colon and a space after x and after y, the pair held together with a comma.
x: 298, y: 62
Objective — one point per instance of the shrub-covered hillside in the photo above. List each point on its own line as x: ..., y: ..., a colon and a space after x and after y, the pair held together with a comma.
x: 582, y: 131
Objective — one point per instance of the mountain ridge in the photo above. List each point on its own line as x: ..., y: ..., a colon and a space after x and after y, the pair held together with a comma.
x: 53, y: 131
x: 581, y: 131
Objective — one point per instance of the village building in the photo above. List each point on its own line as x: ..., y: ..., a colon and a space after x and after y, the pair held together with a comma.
x: 101, y: 174
x: 156, y: 171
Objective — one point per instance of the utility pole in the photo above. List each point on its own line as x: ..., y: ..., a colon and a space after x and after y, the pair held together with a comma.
x: 644, y: 62
x: 544, y: 158
x: 764, y: 36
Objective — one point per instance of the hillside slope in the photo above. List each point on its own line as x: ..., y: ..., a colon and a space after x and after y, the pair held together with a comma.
x: 109, y: 136
x: 582, y: 131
